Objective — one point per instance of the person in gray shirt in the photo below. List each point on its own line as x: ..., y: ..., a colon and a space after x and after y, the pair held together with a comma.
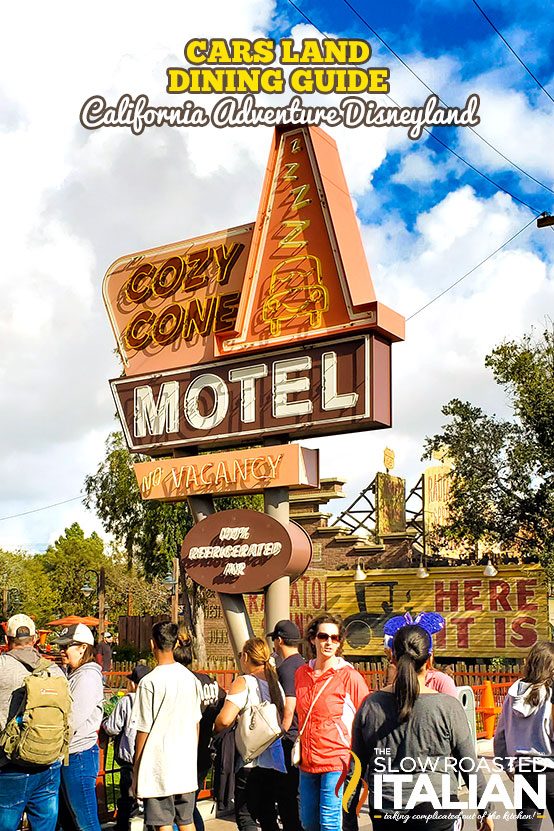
x: 407, y: 728
x: 31, y: 789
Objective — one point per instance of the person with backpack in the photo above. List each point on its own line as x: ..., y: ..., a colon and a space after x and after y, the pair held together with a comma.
x: 78, y: 778
x: 30, y: 770
x: 255, y: 798
x: 118, y: 724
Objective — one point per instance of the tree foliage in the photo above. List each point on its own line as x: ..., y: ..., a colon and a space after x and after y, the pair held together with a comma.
x: 503, y: 483
x: 49, y: 586
x: 151, y: 532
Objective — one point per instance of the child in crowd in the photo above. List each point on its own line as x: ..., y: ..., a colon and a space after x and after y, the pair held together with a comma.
x: 118, y: 725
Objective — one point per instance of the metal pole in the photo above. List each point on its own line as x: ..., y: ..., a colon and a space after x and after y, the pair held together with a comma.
x: 236, y: 618
x: 175, y: 592
x: 277, y: 595
x: 237, y: 621
x: 101, y: 575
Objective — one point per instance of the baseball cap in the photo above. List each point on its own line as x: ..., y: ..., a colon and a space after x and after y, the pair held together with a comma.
x: 20, y: 626
x: 287, y: 630
x: 108, y: 636
x: 77, y: 633
x: 138, y: 672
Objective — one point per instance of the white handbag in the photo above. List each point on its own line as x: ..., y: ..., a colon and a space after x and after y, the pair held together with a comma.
x: 258, y: 726
x: 296, y: 751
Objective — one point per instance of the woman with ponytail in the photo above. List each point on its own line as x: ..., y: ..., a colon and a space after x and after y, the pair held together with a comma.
x: 408, y: 728
x: 255, y: 782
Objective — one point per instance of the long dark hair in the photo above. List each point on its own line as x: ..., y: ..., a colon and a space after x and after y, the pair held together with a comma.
x: 411, y: 648
x: 259, y: 654
x: 539, y: 671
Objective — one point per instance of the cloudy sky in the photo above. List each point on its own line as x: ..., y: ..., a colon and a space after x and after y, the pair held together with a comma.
x: 74, y: 201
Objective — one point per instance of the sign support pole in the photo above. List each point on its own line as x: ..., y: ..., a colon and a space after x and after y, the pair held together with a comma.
x: 277, y: 595
x: 233, y: 606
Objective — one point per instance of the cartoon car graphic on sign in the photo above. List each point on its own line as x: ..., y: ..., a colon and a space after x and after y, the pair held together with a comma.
x: 295, y: 291
x: 363, y: 625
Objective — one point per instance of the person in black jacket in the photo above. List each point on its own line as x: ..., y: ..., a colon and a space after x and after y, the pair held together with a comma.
x: 213, y: 697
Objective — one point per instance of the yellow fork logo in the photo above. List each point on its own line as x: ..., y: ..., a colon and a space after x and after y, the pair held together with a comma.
x: 352, y: 785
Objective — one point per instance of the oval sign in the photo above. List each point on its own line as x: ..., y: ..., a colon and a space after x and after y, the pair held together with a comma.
x: 243, y: 551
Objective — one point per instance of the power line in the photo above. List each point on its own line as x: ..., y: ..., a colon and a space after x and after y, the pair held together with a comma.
x: 44, y: 508
x: 414, y: 73
x: 514, y: 53
x: 459, y: 280
x: 429, y: 133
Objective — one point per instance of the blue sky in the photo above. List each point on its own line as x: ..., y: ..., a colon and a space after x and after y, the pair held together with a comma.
x: 78, y: 200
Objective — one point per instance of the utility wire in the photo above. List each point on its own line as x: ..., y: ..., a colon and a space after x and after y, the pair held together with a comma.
x: 429, y: 133
x: 414, y: 73
x: 514, y: 53
x: 435, y: 138
x: 459, y: 280
x: 44, y: 508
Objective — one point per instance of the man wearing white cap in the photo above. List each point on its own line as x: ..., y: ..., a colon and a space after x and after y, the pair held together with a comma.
x: 23, y: 788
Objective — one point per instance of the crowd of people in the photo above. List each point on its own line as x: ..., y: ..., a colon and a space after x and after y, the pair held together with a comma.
x: 172, y: 722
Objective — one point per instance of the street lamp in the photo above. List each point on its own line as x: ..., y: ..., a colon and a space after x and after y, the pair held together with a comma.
x: 87, y: 590
x: 359, y: 573
x: 172, y: 580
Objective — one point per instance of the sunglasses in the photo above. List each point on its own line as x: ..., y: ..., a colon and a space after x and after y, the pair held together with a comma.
x: 67, y: 645
x: 323, y: 636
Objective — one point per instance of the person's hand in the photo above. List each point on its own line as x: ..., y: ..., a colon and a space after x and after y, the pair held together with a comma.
x: 485, y: 824
x: 133, y: 788
x: 510, y: 775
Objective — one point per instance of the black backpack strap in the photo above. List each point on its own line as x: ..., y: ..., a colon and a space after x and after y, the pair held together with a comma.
x: 20, y: 660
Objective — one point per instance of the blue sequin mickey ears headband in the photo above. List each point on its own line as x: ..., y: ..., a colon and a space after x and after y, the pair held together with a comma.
x: 430, y: 621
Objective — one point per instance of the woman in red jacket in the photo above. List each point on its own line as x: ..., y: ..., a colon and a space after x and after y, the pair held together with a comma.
x: 326, y: 725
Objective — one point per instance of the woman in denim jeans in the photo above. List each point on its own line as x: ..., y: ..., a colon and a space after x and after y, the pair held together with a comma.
x: 78, y: 779
x: 337, y: 690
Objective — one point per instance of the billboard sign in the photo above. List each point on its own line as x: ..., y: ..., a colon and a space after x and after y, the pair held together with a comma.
x: 242, y: 471
x: 243, y: 551
x: 316, y: 390
x: 485, y: 617
x: 297, y: 274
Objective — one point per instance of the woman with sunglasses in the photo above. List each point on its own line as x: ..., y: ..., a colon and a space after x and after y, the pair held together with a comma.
x: 328, y: 693
x: 78, y: 778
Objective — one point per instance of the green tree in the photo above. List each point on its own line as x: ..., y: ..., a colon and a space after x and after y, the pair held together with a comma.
x: 65, y: 563
x: 151, y: 532
x: 27, y: 585
x: 503, y: 483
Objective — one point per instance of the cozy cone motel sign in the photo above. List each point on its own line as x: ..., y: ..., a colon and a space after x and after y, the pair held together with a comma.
x: 267, y: 331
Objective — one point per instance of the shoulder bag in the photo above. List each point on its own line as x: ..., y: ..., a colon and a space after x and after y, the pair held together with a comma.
x: 258, y: 726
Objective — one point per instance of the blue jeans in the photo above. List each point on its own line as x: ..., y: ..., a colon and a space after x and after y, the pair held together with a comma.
x: 320, y: 809
x: 36, y: 793
x: 79, y: 788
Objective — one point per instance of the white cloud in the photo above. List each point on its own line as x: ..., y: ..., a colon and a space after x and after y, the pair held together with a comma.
x: 75, y: 200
